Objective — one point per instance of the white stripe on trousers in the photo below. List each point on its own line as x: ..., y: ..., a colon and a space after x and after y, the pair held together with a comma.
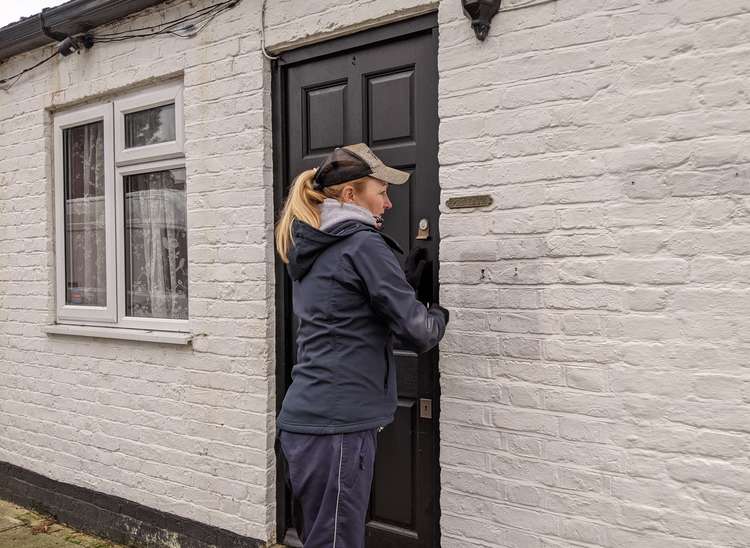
x: 338, y: 492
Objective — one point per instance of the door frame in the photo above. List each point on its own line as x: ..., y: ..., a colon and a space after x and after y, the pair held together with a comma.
x: 388, y: 32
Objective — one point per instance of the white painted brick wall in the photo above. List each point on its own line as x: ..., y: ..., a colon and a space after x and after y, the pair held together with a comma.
x: 594, y: 377
x: 187, y: 430
x: 184, y: 430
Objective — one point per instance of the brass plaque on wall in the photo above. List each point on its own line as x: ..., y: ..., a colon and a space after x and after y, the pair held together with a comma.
x: 458, y: 202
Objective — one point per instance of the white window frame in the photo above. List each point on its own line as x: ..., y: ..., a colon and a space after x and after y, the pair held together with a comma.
x: 118, y: 163
x: 142, y: 100
x: 62, y: 122
x: 136, y: 322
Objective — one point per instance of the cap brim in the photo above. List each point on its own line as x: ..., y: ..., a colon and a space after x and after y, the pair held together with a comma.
x: 390, y: 175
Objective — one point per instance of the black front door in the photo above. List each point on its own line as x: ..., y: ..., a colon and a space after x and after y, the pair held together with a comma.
x: 378, y: 87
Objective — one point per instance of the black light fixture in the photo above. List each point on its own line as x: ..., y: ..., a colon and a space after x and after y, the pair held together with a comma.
x: 481, y: 13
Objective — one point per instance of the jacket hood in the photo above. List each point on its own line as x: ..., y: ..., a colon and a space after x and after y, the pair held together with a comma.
x: 309, y: 243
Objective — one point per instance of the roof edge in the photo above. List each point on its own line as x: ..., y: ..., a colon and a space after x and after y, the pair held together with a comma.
x: 73, y: 17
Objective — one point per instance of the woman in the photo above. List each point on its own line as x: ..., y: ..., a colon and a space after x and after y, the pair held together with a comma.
x: 351, y: 298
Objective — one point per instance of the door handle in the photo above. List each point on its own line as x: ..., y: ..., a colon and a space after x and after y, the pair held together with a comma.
x: 423, y: 229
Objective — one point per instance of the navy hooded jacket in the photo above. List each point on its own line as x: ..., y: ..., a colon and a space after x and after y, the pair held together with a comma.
x: 351, y: 296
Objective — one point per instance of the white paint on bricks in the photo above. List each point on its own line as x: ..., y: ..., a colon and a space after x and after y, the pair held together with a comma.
x: 594, y: 379
x: 618, y: 338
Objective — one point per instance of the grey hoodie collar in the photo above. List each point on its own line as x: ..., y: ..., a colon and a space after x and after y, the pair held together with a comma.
x: 333, y: 212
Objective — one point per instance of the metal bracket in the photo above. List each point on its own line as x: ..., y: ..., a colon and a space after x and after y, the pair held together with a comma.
x: 425, y: 408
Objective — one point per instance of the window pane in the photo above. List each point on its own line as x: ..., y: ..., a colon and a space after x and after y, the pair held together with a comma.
x: 147, y: 127
x: 85, y: 254
x: 156, y: 281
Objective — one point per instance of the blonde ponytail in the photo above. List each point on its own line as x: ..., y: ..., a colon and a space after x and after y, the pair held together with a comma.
x: 303, y: 203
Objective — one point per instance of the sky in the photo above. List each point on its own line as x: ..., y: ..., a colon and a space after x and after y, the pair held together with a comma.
x: 13, y: 10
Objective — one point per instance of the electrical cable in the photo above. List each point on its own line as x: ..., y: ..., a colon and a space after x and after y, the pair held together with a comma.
x: 18, y: 75
x: 178, y: 20
x: 526, y: 5
x: 196, y: 30
x: 263, y: 32
x: 191, y: 24
x: 197, y: 19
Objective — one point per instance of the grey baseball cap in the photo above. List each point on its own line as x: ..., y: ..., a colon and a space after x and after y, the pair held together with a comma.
x: 352, y: 162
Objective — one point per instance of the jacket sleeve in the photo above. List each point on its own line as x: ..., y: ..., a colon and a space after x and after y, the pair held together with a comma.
x: 393, y: 298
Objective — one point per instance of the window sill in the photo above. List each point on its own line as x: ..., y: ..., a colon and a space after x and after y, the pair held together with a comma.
x: 119, y: 333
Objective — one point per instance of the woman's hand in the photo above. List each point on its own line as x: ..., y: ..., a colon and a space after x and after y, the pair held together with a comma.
x: 415, y: 265
x: 444, y: 311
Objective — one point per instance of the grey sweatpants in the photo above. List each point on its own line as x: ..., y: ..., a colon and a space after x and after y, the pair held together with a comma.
x: 331, y: 477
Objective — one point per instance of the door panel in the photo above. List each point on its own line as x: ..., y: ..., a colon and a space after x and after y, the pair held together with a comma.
x: 384, y: 94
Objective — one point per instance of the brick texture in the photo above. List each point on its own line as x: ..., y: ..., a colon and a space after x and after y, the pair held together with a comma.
x: 594, y: 379
x: 594, y: 383
x: 187, y: 430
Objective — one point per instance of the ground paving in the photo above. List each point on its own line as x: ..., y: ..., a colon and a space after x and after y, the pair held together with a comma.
x: 23, y: 528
